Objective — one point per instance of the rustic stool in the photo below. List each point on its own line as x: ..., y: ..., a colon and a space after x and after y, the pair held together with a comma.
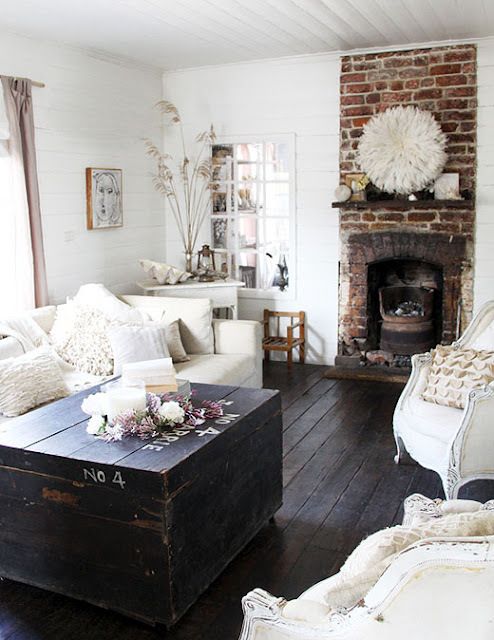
x: 282, y: 343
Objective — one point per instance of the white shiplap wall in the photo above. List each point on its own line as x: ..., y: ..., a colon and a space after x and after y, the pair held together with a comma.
x: 298, y: 96
x: 301, y: 95
x: 92, y: 112
x: 484, y: 253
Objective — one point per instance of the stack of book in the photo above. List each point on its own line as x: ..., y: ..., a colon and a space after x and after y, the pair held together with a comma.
x: 159, y: 375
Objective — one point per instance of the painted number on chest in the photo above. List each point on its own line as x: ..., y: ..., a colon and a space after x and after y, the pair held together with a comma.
x: 98, y: 476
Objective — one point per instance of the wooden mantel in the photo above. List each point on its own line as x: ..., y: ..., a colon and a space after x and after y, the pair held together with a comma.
x: 403, y: 205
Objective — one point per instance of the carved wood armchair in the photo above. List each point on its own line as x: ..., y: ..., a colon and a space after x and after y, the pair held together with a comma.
x: 435, y: 588
x: 458, y: 444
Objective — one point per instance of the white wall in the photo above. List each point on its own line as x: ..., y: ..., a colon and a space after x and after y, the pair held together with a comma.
x: 92, y: 112
x: 484, y: 249
x: 298, y: 96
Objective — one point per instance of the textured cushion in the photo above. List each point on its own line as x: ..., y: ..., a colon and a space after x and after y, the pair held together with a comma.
x: 137, y: 343
x: 217, y: 369
x: 174, y: 342
x: 99, y: 297
x: 30, y: 380
x: 455, y: 372
x: 79, y: 335
x: 369, y: 560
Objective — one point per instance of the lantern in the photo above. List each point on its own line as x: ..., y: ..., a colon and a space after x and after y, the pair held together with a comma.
x: 205, y: 264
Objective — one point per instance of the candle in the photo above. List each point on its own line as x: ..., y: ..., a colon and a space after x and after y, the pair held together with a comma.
x: 124, y: 396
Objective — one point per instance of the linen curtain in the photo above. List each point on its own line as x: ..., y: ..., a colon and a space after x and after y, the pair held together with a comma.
x: 23, y: 273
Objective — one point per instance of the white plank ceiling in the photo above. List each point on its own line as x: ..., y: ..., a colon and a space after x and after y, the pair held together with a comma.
x: 174, y: 34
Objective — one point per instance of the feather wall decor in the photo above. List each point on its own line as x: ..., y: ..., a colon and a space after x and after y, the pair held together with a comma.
x: 402, y: 150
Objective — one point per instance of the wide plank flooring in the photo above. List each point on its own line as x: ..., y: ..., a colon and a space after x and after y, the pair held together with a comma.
x: 340, y: 484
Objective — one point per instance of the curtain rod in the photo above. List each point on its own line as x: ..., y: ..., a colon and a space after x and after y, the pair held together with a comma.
x: 35, y: 83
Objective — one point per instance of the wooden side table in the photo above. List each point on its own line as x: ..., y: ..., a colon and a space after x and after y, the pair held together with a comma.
x: 222, y: 293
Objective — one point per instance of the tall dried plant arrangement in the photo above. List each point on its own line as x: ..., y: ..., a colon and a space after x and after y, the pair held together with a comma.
x: 186, y: 184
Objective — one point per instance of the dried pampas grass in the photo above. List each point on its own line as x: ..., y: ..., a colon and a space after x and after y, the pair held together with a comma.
x: 402, y: 150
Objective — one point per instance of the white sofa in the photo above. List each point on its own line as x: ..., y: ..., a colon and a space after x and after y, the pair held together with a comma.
x: 440, y: 587
x: 456, y: 443
x: 221, y: 351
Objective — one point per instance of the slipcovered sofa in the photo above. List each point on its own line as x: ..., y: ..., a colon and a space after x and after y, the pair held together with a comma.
x: 220, y: 351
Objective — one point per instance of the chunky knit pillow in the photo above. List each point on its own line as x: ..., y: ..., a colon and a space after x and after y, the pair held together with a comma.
x: 79, y: 335
x: 455, y: 372
x: 30, y: 380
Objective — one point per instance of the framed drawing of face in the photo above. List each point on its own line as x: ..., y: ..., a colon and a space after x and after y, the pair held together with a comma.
x: 104, y: 198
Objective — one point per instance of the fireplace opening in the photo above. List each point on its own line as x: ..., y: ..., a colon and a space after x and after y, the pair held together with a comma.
x: 404, y: 308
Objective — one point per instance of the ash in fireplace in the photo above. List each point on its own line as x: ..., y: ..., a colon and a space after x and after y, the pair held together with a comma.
x: 408, y: 309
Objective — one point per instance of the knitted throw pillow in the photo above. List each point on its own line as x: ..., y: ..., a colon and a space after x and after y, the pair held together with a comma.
x: 79, y: 335
x: 455, y: 372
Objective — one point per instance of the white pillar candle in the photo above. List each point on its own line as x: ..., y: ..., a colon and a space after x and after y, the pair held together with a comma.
x: 122, y: 398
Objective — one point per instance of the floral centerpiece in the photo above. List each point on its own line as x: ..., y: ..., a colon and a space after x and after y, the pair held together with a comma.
x: 162, y: 414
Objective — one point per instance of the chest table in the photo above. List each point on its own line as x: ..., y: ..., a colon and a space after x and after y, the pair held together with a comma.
x: 140, y: 527
x: 222, y: 293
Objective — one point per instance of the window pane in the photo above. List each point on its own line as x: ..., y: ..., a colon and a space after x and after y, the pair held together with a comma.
x: 222, y: 199
x: 247, y: 232
x: 220, y: 228
x: 277, y: 161
x: 249, y: 152
x: 247, y: 269
x: 249, y: 197
x: 277, y: 199
x: 275, y: 235
x: 222, y: 157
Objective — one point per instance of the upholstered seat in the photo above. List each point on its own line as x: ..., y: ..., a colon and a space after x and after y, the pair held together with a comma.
x: 439, y: 586
x: 456, y: 443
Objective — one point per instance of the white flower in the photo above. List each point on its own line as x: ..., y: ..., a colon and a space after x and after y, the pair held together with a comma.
x: 95, y: 404
x: 114, y: 433
x: 172, y: 412
x: 94, y: 424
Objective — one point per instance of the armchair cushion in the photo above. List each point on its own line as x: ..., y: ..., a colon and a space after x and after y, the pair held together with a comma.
x: 455, y: 372
x: 218, y: 369
x: 434, y: 420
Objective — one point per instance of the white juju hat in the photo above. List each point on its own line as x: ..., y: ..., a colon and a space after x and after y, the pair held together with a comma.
x: 402, y: 150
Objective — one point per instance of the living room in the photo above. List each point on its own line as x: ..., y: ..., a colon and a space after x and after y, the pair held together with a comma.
x: 330, y: 153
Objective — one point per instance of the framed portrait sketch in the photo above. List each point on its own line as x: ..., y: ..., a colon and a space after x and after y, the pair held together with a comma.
x: 104, y: 198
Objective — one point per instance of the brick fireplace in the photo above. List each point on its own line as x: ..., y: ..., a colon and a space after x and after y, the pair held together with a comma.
x: 424, y: 243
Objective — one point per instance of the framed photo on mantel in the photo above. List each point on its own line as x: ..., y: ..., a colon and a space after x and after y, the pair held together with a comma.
x: 104, y: 198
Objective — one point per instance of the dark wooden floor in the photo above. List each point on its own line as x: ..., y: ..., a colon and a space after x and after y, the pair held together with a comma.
x: 340, y: 485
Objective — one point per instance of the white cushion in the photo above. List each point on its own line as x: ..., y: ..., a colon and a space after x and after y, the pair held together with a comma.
x: 99, y: 297
x: 305, y: 610
x: 26, y: 330
x: 44, y: 317
x: 217, y: 369
x: 30, y: 380
x: 10, y: 348
x: 434, y: 420
x: 137, y: 343
x: 195, y: 316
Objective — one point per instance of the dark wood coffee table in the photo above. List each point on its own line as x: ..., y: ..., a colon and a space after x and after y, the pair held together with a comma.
x: 140, y: 527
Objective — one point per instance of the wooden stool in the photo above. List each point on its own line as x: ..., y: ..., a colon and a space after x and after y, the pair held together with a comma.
x: 282, y: 343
